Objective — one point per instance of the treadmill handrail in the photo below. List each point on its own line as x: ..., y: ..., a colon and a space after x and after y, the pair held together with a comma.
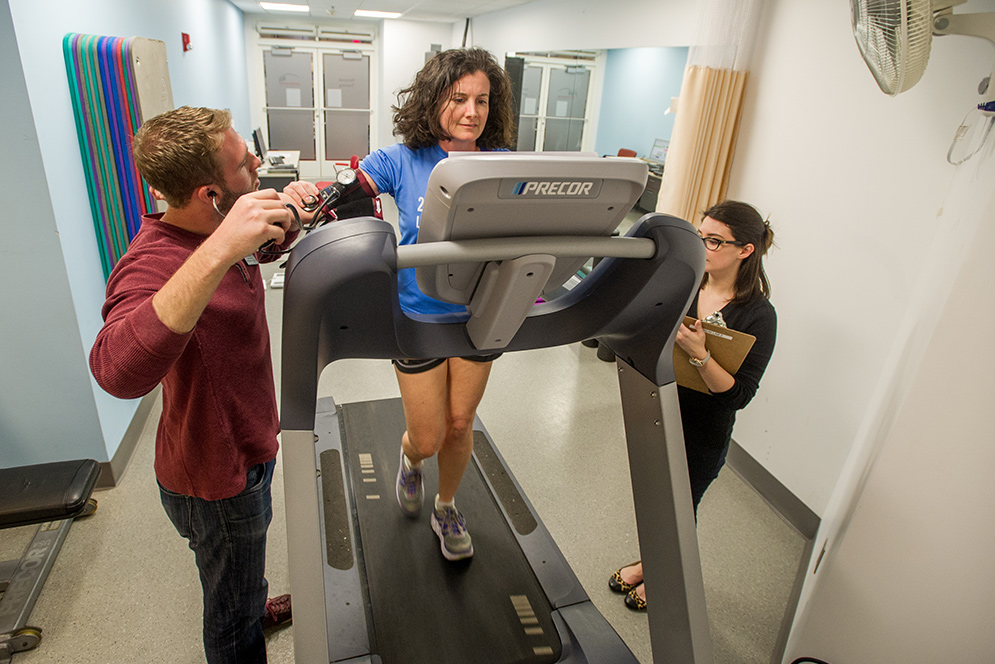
x: 505, y: 248
x: 341, y: 301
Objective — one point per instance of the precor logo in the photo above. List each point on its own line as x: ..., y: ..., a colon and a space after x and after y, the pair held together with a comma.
x: 566, y: 188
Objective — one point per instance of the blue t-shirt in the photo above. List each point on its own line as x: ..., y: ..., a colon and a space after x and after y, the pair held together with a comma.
x: 403, y: 173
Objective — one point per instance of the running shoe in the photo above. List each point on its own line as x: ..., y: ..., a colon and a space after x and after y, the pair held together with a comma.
x: 450, y: 526
x: 410, y: 494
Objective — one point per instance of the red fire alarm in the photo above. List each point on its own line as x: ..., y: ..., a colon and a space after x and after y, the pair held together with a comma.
x: 186, y: 42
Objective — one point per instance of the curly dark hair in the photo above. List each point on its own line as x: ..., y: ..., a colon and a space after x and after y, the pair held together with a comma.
x: 416, y: 120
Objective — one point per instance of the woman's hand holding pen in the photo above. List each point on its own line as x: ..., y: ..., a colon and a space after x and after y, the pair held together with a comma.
x: 692, y: 339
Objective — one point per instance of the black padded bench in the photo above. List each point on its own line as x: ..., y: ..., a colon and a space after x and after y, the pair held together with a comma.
x: 50, y: 494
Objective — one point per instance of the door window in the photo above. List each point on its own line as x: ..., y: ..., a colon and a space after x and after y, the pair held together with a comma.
x: 289, y: 79
x: 346, y: 78
x: 554, y: 106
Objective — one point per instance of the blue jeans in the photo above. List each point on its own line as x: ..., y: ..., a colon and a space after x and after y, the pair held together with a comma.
x: 228, y: 538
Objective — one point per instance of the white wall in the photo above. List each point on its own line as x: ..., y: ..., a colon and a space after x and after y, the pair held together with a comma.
x: 855, y: 183
x: 404, y: 45
x: 873, y: 227
x: 586, y: 24
x: 910, y: 579
x: 51, y: 408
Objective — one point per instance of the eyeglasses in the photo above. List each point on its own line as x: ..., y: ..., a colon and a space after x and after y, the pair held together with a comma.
x: 715, y: 243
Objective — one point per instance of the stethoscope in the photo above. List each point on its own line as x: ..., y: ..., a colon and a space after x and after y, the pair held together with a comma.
x: 263, y: 249
x: 325, y: 199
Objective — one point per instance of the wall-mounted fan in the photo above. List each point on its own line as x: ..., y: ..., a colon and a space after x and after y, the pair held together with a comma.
x: 894, y: 36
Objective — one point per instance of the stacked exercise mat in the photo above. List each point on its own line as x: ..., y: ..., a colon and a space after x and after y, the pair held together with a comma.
x: 104, y: 81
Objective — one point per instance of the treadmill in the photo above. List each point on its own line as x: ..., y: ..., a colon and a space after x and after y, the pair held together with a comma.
x: 501, y: 233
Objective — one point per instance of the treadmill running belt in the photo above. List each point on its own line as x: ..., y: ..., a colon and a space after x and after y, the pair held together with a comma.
x: 488, y: 609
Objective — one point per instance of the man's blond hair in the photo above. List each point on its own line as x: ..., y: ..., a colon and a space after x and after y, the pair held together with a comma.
x: 177, y: 151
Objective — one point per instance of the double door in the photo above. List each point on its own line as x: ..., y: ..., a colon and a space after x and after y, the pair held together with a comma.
x: 318, y: 101
x: 553, y: 110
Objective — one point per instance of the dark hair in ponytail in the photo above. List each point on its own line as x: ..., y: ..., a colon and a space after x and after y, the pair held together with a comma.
x: 748, y: 227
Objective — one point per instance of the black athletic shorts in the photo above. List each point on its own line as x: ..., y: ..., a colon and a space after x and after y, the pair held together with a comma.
x: 419, y: 366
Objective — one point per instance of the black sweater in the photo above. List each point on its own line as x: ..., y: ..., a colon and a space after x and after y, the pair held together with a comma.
x: 708, y: 418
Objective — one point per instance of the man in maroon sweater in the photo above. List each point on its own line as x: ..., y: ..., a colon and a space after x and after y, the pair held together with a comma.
x: 185, y: 308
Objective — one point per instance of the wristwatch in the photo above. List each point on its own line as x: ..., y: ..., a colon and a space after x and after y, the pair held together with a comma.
x: 695, y: 362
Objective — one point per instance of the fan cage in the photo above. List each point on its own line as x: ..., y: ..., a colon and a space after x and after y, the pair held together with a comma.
x: 894, y: 37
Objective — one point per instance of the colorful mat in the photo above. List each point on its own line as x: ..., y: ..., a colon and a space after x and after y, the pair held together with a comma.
x: 105, y: 104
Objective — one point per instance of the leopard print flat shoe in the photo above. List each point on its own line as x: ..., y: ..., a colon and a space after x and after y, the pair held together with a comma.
x: 634, y: 601
x: 616, y: 584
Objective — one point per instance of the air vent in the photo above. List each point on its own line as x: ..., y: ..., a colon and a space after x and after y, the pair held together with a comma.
x: 286, y: 32
x: 345, y: 36
x: 580, y: 56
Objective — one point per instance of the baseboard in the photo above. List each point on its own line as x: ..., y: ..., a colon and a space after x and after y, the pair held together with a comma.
x: 794, y: 512
x: 112, y: 471
x: 787, y: 505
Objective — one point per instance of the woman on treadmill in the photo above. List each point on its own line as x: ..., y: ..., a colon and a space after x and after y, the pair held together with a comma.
x: 734, y: 293
x: 459, y: 101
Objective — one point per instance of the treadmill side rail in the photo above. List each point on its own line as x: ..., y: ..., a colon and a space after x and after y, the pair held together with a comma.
x: 304, y: 548
x: 668, y: 538
x: 348, y: 635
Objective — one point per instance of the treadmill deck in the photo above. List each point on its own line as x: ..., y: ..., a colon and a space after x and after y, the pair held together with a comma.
x: 420, y: 607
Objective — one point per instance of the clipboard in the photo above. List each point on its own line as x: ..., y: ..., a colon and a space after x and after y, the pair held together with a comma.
x: 728, y: 347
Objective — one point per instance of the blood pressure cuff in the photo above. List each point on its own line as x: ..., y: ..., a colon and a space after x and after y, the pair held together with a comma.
x: 364, y: 207
x: 356, y: 200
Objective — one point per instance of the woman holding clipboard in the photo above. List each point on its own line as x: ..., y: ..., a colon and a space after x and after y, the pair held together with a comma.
x: 734, y: 293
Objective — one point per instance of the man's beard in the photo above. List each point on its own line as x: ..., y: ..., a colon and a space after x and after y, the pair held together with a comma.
x: 229, y: 196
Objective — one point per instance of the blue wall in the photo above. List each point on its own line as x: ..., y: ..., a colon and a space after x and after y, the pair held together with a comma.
x: 639, y: 83
x: 50, y: 408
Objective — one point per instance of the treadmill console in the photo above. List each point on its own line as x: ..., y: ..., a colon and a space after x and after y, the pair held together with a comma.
x: 474, y: 195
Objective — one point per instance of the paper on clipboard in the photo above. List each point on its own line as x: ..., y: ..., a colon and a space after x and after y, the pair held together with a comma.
x: 728, y: 348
